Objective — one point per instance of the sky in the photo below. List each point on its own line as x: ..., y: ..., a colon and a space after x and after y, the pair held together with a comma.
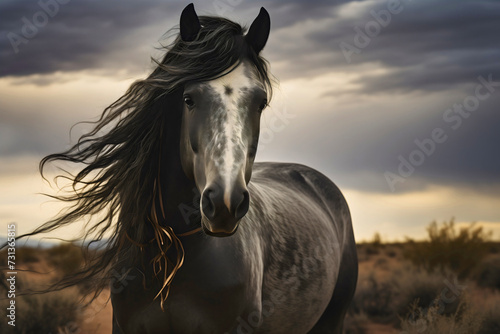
x: 395, y: 101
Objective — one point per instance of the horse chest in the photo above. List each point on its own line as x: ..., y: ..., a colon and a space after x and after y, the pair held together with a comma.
x: 231, y: 285
x: 208, y: 294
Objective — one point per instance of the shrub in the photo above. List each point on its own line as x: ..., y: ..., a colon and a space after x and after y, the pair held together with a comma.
x: 67, y: 258
x: 365, y: 251
x: 27, y: 255
x: 487, y: 273
x: 494, y: 247
x: 355, y: 323
x: 377, y: 240
x: 382, y: 263
x: 56, y: 312
x: 23, y: 255
x: 426, y: 290
x: 374, y: 298
x: 387, y: 300
x: 447, y: 248
x: 491, y: 319
x: 431, y: 321
x: 391, y: 253
x: 416, y: 287
x: 370, y: 250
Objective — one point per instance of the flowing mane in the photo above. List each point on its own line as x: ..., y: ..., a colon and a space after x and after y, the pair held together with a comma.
x: 119, y: 180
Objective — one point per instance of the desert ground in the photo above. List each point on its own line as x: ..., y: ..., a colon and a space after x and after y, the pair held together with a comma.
x: 448, y: 283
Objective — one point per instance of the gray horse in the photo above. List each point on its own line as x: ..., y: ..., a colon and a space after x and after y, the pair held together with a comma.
x: 204, y: 240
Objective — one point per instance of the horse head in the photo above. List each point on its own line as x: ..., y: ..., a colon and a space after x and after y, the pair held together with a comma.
x: 220, y: 128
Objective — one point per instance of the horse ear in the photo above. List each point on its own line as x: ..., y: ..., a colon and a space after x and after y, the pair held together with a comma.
x: 190, y: 24
x: 259, y: 31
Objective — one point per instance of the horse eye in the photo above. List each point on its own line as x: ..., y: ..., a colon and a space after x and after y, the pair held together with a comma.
x: 263, y: 105
x: 188, y: 101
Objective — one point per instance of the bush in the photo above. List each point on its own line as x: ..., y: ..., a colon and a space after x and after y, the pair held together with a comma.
x: 387, y: 300
x: 491, y: 320
x: 382, y: 263
x: 56, y: 312
x: 370, y: 250
x: 27, y: 255
x: 374, y: 298
x: 67, y: 258
x: 494, y: 247
x: 377, y: 240
x: 365, y: 251
x: 431, y: 321
x: 355, y: 323
x: 427, y: 290
x: 448, y: 248
x: 487, y: 273
x: 391, y: 253
x: 416, y: 287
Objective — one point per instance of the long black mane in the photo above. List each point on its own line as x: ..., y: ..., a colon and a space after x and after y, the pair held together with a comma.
x: 115, y: 190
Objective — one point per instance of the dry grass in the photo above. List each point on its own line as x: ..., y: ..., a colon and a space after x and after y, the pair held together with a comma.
x: 395, y: 293
x: 387, y: 298
x: 490, y: 316
x: 429, y: 287
x: 56, y: 312
x: 464, y: 321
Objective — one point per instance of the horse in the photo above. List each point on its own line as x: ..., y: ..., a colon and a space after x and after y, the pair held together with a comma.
x: 203, y: 239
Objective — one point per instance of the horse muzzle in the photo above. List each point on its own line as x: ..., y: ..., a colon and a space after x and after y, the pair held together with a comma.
x: 222, y: 209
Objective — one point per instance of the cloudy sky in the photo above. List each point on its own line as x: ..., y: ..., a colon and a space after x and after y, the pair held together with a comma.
x: 396, y: 101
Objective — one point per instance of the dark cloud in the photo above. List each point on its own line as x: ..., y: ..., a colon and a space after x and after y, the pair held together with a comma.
x: 105, y: 36
x: 286, y: 13
x: 428, y: 45
x: 356, y: 143
x: 430, y: 48
x: 80, y: 35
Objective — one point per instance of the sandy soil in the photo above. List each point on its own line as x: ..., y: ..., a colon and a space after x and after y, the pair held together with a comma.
x: 97, y: 318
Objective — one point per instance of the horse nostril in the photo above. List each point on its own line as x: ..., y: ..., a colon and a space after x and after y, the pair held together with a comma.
x: 207, y: 204
x: 214, y: 207
x: 242, y: 204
